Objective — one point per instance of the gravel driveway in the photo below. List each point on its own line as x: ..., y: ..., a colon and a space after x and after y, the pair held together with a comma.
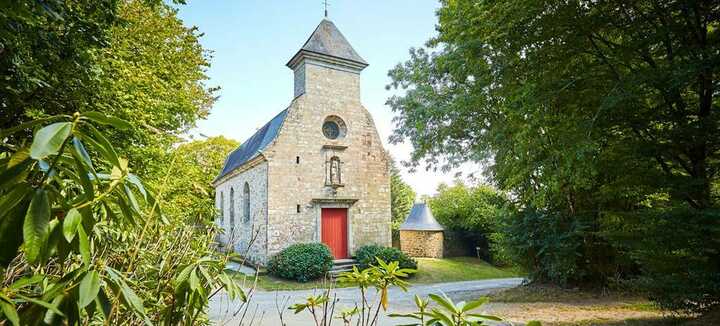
x: 264, y: 306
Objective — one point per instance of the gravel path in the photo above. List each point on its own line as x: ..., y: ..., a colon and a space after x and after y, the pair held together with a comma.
x: 265, y: 304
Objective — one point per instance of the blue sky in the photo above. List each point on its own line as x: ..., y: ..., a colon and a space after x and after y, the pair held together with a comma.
x: 251, y: 40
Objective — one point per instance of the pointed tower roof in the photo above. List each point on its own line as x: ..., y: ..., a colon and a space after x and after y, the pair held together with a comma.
x: 421, y: 219
x: 327, y: 41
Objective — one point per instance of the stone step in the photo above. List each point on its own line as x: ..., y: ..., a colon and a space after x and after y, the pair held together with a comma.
x: 344, y: 262
x: 341, y: 265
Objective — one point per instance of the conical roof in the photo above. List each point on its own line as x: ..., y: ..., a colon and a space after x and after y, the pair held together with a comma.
x: 327, y: 40
x: 421, y: 219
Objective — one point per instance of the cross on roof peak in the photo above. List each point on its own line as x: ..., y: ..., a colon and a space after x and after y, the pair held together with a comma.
x: 325, y: 3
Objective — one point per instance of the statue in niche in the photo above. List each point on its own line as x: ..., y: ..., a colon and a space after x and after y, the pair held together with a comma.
x: 334, y: 171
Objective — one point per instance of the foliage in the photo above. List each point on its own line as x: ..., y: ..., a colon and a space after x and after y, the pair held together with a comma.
x: 547, y: 246
x: 674, y: 260
x: 302, y: 262
x: 382, y: 276
x: 153, y: 74
x: 130, y: 59
x: 95, y: 243
x: 579, y: 110
x: 189, y: 195
x: 48, y: 55
x: 367, y: 255
x: 402, y: 198
x: 471, y: 214
x: 449, y: 313
x: 315, y: 304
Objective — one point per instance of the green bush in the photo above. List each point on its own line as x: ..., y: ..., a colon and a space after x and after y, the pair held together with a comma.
x: 301, y: 262
x: 365, y: 256
x: 677, y: 254
x: 563, y: 249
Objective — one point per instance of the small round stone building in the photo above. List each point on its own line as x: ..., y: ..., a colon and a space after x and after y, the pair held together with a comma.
x: 421, y: 235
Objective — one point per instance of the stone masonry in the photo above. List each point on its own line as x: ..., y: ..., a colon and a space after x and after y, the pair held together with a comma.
x: 422, y: 243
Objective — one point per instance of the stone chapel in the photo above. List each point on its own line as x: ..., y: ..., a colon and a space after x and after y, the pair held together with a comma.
x: 317, y: 172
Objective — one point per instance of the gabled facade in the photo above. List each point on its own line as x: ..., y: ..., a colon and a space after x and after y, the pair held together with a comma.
x: 317, y: 172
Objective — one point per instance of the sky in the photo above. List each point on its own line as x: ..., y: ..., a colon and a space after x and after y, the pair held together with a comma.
x: 251, y: 40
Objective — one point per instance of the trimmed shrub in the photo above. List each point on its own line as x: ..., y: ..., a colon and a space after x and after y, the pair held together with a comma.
x: 302, y: 262
x: 365, y: 256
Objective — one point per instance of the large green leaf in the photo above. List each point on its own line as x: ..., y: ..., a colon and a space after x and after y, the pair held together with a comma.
x: 35, y: 227
x: 41, y: 303
x: 49, y: 139
x: 12, y: 211
x: 9, y: 311
x: 11, y: 175
x: 70, y: 224
x: 84, y: 245
x: 445, y: 302
x: 89, y: 288
x: 108, y: 120
x: 474, y: 304
x: 102, y: 145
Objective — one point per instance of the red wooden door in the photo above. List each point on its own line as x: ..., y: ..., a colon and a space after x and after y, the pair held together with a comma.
x: 334, y: 231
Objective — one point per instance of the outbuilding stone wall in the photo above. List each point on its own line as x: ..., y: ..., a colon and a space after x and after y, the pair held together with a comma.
x: 422, y: 243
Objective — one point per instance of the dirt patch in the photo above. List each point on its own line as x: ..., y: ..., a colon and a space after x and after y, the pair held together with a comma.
x: 553, y: 313
x: 557, y: 306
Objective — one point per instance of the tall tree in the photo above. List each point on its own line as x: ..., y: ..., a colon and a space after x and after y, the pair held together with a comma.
x: 555, y: 92
x: 402, y: 198
x: 189, y: 171
x: 586, y: 111
x: 131, y: 59
x: 48, y: 55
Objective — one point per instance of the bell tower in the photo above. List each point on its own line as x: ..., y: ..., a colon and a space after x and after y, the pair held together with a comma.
x: 327, y: 58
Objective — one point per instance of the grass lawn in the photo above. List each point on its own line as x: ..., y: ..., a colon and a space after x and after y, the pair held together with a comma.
x: 429, y: 271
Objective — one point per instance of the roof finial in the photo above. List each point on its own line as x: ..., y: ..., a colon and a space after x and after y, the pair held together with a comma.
x: 326, y: 5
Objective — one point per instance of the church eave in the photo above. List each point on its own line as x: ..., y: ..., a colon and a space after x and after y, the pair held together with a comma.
x: 240, y: 169
x: 297, y: 59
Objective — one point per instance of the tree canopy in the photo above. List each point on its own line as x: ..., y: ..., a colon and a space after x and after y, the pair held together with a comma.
x: 591, y: 114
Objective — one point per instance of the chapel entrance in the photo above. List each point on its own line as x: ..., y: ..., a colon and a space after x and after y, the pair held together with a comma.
x: 334, y: 231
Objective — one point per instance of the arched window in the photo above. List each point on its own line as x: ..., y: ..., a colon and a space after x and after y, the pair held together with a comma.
x: 222, y: 209
x: 232, y: 208
x: 246, y: 203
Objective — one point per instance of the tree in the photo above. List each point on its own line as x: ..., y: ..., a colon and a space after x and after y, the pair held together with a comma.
x: 48, y: 53
x: 471, y: 215
x: 153, y: 77
x: 556, y: 94
x: 131, y: 59
x: 402, y: 198
x: 584, y: 111
x: 189, y: 195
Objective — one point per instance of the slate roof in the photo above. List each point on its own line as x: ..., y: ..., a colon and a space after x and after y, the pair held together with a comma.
x: 421, y: 219
x: 252, y: 147
x: 327, y: 40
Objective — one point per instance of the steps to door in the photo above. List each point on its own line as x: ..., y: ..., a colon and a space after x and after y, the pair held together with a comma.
x: 341, y: 265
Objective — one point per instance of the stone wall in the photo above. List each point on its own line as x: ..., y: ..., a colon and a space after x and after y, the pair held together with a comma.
x: 366, y: 191
x: 239, y: 233
x: 422, y: 243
